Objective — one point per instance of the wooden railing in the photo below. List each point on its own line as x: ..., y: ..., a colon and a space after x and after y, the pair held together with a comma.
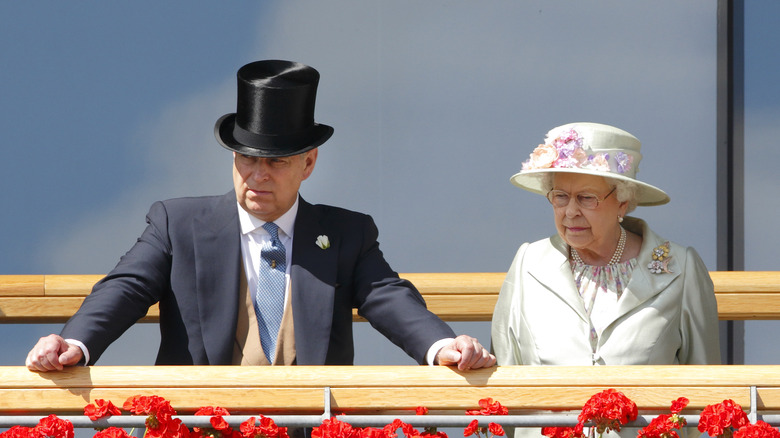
x: 371, y: 390
x: 382, y: 389
x: 741, y: 295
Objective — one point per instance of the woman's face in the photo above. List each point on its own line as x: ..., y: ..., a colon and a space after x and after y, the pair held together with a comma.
x: 594, y: 229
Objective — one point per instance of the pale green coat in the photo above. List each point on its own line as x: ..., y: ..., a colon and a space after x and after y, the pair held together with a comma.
x: 667, y: 318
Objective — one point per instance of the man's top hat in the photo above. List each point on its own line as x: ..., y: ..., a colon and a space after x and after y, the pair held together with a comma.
x: 275, y: 111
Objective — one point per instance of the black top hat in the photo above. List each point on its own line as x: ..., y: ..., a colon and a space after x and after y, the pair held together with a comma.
x: 275, y: 111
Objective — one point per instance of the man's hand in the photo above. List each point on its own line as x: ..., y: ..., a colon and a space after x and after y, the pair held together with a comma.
x: 465, y: 352
x: 53, y: 353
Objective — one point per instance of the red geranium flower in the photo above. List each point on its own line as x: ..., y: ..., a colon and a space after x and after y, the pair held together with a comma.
x: 563, y: 432
x: 659, y: 427
x: 333, y: 428
x: 17, y: 432
x: 168, y: 427
x: 496, y: 429
x: 112, y: 432
x: 150, y: 405
x: 608, y: 410
x: 101, y: 408
x: 159, y: 422
x: 471, y: 429
x: 372, y: 432
x: 53, y: 427
x: 489, y: 407
x: 678, y: 405
x: 758, y: 430
x: 408, y: 430
x: 219, y: 427
x: 266, y: 429
x: 421, y: 410
x: 663, y: 425
x: 722, y: 418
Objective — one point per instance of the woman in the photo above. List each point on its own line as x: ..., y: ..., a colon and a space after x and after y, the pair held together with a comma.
x: 606, y: 290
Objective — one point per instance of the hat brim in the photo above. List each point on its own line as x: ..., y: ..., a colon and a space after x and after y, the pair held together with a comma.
x: 272, y: 145
x: 647, y: 195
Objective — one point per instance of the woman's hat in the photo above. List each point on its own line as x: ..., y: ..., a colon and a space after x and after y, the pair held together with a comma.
x: 275, y: 111
x: 590, y: 149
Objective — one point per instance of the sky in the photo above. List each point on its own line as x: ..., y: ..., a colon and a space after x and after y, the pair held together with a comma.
x: 108, y: 107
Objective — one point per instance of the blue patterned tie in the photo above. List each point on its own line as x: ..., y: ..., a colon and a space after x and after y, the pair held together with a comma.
x: 269, y: 300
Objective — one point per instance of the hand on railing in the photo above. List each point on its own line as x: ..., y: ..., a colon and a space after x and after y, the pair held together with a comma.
x: 467, y: 353
x: 53, y: 353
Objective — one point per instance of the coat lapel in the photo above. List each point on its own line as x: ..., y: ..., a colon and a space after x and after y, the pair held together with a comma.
x: 313, y: 285
x: 217, y: 253
x: 643, y: 284
x: 554, y: 259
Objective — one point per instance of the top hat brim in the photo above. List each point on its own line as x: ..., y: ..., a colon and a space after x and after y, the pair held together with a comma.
x: 647, y: 195
x: 269, y: 146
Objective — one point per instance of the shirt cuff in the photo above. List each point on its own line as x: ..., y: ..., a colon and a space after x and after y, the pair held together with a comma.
x: 430, y: 357
x: 83, y: 349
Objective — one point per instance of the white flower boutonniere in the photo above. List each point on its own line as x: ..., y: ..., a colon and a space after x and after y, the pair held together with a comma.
x: 323, y: 242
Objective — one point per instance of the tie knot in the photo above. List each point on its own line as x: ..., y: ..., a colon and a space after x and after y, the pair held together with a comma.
x: 272, y: 229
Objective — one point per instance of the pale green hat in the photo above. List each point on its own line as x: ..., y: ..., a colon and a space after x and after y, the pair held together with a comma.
x: 591, y: 149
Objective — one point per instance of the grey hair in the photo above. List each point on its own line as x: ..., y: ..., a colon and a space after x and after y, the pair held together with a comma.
x: 624, y: 190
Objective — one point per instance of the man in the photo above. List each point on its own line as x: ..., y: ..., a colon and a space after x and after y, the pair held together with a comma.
x: 259, y: 276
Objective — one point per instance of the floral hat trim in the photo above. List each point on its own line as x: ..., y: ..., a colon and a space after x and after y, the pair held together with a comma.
x: 591, y: 149
x: 567, y: 152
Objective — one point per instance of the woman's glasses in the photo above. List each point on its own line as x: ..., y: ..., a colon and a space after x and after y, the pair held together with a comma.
x: 559, y: 198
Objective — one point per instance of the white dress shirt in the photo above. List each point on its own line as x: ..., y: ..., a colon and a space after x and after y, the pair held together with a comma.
x: 254, y: 237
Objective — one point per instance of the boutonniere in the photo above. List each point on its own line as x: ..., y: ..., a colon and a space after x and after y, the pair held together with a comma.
x: 661, y: 258
x: 323, y: 242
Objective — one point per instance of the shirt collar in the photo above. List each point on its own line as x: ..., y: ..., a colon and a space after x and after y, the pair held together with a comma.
x: 286, y: 222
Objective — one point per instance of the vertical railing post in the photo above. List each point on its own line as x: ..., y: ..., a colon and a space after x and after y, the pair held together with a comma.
x: 753, y: 415
x: 326, y: 414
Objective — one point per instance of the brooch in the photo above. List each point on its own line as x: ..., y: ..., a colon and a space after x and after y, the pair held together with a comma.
x: 661, y: 259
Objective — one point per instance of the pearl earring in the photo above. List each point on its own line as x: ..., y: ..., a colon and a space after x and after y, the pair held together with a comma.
x: 620, y: 219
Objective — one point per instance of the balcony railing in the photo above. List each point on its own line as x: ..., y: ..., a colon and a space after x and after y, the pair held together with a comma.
x: 374, y: 395
x: 453, y: 296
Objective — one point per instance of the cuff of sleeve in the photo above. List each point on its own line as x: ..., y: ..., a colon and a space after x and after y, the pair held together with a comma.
x: 430, y: 357
x: 82, y: 347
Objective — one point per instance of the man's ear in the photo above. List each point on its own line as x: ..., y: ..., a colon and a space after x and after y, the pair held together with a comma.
x: 310, y: 159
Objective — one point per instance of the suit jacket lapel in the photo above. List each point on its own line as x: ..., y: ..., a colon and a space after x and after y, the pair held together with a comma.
x: 313, y: 284
x: 554, y: 259
x: 217, y: 253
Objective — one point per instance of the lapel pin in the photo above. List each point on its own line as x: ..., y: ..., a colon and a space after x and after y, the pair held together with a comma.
x: 661, y: 258
x: 323, y: 242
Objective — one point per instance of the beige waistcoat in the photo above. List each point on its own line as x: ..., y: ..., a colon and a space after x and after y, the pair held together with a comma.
x: 247, y: 349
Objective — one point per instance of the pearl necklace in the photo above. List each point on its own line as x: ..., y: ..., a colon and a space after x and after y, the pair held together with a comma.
x: 615, y: 257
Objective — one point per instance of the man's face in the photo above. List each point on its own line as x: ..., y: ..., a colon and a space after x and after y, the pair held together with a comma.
x: 268, y: 187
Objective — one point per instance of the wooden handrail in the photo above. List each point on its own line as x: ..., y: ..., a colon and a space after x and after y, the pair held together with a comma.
x: 383, y: 389
x: 452, y: 296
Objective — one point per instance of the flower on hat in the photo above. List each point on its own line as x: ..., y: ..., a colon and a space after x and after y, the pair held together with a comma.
x: 566, y: 151
x: 323, y: 242
x: 623, y: 161
x: 542, y: 157
x: 599, y: 162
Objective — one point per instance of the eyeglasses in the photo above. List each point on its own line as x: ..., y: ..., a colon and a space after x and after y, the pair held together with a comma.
x: 559, y: 198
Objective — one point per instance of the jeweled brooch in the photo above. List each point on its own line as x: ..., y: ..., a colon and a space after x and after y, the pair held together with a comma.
x: 661, y: 258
